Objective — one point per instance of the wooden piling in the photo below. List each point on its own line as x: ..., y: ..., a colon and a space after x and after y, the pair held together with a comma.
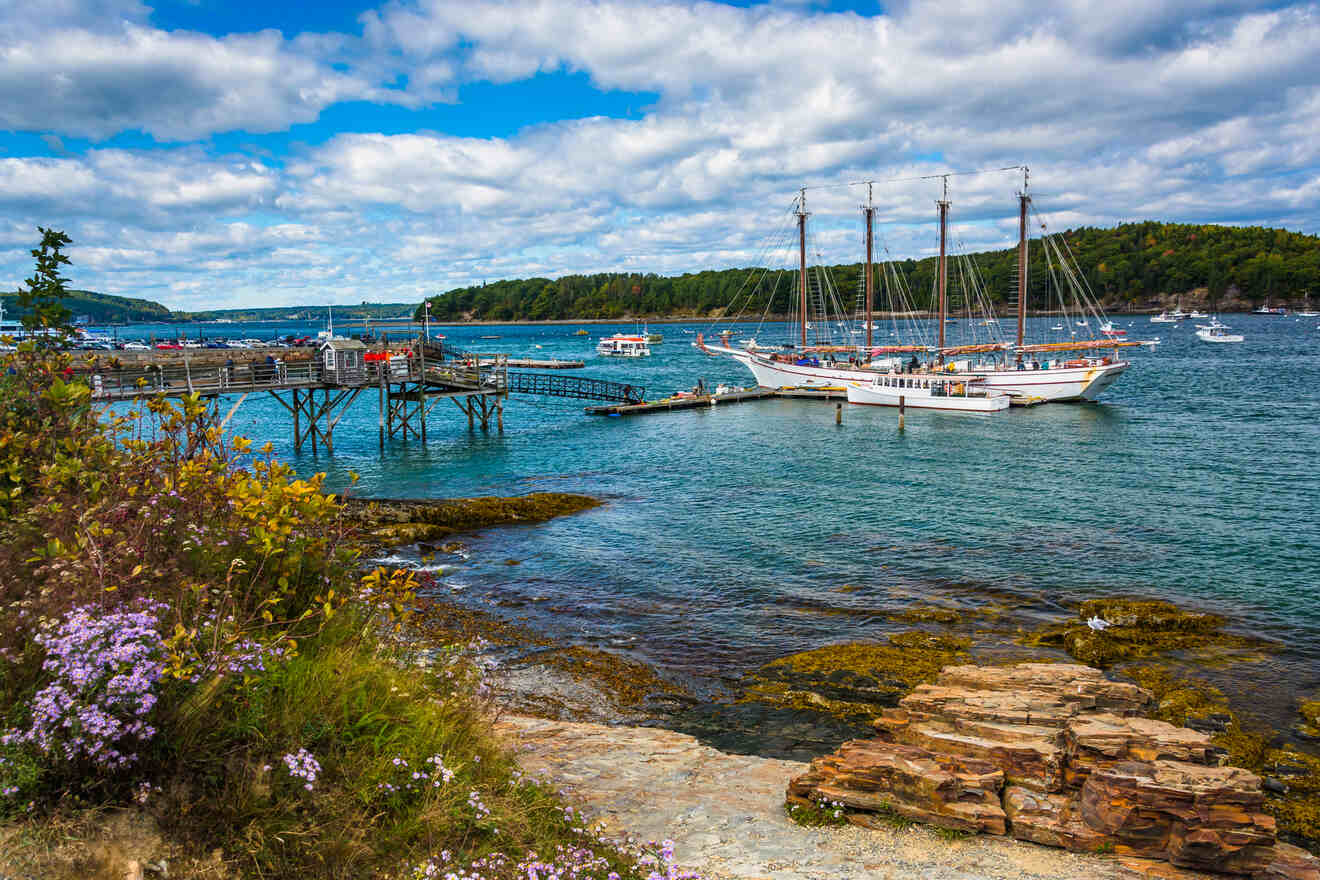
x: 838, y: 414
x: 902, y: 409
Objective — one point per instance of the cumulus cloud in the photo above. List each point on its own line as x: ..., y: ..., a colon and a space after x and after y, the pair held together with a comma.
x: 1197, y: 111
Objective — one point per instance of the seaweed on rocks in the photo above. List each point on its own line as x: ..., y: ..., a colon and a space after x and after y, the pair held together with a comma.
x: 1132, y: 629
x: 853, y: 681
x: 390, y: 522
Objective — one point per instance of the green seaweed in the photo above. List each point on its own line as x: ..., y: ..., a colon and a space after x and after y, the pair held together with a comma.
x: 629, y: 682
x: 853, y: 681
x: 1140, y: 629
x: 385, y: 522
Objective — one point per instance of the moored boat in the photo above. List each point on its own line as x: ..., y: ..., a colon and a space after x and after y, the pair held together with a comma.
x: 623, y: 345
x: 928, y: 391
x: 1218, y: 333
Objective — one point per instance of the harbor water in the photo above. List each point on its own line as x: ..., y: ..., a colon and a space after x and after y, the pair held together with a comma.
x: 734, y: 534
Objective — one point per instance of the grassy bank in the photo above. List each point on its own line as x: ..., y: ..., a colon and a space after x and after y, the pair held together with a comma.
x: 187, y: 646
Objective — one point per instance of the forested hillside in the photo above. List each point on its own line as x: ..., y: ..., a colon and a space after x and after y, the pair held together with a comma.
x: 101, y: 308
x: 1136, y: 264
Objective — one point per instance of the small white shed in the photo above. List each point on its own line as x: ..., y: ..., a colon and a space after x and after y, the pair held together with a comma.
x: 343, y: 362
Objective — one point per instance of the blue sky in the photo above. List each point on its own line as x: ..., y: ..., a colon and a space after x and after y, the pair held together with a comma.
x: 210, y: 154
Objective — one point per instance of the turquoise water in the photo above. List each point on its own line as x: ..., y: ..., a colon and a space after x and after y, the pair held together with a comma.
x: 727, y: 532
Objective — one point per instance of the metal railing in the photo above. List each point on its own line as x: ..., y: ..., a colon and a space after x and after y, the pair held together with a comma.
x: 552, y: 385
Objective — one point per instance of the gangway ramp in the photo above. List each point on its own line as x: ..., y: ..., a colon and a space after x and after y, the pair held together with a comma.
x: 581, y: 387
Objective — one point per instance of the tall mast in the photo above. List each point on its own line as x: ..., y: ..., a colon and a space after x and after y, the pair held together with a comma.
x: 944, y: 222
x: 802, y: 259
x: 1023, y: 200
x: 869, y: 211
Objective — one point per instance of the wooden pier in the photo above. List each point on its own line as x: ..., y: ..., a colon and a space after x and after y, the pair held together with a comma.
x: 708, y: 400
x: 317, y: 391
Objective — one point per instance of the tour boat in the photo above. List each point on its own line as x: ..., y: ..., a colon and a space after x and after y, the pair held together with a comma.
x: 1216, y: 333
x: 623, y: 345
x: 928, y: 391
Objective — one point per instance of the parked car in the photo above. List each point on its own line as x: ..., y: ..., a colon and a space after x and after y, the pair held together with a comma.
x: 169, y: 346
x: 136, y: 346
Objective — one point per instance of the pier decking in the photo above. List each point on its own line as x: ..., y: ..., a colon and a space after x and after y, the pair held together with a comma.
x: 707, y: 400
x: 317, y: 390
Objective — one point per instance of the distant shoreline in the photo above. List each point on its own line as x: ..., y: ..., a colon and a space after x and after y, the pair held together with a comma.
x: 681, y: 319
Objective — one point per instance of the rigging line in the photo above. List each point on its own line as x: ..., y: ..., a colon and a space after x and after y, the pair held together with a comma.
x: 936, y: 176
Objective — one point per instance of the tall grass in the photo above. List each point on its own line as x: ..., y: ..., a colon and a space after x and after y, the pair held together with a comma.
x: 184, y: 631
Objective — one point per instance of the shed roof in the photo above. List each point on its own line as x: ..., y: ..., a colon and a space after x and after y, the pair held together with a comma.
x: 338, y: 344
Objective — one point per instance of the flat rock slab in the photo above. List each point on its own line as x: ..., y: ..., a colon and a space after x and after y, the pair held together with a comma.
x: 725, y: 813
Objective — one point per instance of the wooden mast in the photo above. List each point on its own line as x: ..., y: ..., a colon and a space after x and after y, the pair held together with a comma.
x: 869, y: 211
x: 1023, y: 201
x: 802, y: 260
x: 944, y: 222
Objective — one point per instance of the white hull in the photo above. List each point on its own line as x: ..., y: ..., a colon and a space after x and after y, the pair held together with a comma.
x: 1055, y: 384
x: 1209, y: 335
x: 774, y: 374
x: 923, y: 398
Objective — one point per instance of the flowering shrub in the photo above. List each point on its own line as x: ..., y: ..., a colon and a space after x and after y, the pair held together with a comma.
x: 575, y: 862
x: 103, y: 669
x: 303, y: 765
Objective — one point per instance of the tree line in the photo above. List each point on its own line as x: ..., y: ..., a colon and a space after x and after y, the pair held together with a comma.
x: 1129, y: 265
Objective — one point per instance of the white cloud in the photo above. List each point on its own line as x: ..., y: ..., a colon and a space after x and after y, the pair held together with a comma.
x: 1201, y: 111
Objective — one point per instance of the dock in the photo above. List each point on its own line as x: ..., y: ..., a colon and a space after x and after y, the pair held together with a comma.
x: 698, y: 401
x: 317, y: 389
x: 533, y: 364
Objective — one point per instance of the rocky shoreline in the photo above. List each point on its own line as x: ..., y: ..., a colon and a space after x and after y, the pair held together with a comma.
x: 800, y: 707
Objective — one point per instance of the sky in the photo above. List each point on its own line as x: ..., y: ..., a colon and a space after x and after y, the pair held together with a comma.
x: 228, y: 153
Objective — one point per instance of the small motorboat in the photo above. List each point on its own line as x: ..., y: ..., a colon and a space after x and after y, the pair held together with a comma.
x: 1218, y: 334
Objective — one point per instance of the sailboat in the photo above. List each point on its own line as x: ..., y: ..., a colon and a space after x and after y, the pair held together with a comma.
x: 1030, y: 371
x: 1039, y: 372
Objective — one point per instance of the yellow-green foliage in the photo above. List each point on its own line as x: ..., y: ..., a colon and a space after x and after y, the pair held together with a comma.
x: 272, y: 651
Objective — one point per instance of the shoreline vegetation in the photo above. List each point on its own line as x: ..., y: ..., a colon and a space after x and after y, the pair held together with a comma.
x: 199, y: 680
x: 1131, y: 268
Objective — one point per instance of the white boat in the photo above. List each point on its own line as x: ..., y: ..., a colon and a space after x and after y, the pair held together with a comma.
x: 1109, y: 329
x: 1077, y: 370
x: 1266, y: 310
x: 1309, y: 314
x: 1057, y: 327
x: 1218, y: 334
x: 928, y: 391
x: 1163, y: 318
x: 623, y: 345
x: 1197, y: 313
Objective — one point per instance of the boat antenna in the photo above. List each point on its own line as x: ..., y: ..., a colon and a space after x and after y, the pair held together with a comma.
x: 943, y: 205
x: 1024, y: 199
x: 869, y: 211
x: 802, y: 259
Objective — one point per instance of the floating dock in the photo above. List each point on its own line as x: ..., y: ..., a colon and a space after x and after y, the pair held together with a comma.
x: 697, y: 401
